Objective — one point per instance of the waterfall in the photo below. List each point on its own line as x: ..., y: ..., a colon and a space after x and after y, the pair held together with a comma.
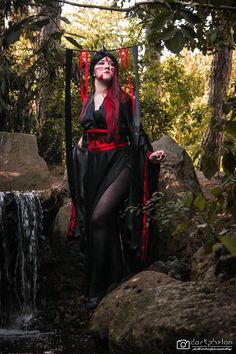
x: 20, y: 231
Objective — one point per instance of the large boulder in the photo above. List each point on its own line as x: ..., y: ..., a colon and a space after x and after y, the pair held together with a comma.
x: 21, y: 167
x: 126, y: 292
x: 156, y: 321
x: 177, y: 175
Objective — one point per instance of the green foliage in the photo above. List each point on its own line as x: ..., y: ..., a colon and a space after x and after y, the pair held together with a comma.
x: 209, y: 166
x: 172, y: 89
x: 171, y: 26
x: 228, y: 162
x: 32, y: 77
x: 174, y: 25
x: 171, y: 23
x: 176, y: 43
x: 172, y: 98
x: 161, y: 211
x: 199, y: 202
x: 229, y: 244
x: 74, y: 42
x: 211, y: 219
x: 109, y: 28
x: 26, y: 25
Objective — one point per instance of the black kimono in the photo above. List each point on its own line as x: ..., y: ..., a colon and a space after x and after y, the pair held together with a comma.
x: 110, y: 173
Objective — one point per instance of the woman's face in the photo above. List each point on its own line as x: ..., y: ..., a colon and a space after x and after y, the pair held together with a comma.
x: 104, y: 69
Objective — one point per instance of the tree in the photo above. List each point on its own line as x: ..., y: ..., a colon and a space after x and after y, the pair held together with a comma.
x: 213, y: 137
x: 208, y: 27
x: 94, y: 28
x: 47, y: 39
x: 3, y: 75
x: 173, y: 24
x: 174, y: 100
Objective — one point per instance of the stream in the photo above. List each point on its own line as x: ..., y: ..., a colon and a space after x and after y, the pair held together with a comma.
x: 32, y: 342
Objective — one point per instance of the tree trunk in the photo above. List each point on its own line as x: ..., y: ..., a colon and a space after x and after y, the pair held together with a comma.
x: 3, y: 74
x: 219, y: 81
x: 53, y: 13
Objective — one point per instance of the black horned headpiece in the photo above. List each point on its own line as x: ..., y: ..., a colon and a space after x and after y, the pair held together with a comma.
x: 102, y: 53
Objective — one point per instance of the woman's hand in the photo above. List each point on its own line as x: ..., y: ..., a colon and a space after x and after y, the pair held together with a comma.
x: 80, y: 142
x: 157, y: 157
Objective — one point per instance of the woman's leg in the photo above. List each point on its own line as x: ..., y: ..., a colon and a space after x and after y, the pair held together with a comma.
x: 105, y: 249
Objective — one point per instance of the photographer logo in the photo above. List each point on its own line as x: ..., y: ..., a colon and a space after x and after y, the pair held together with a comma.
x: 205, y: 344
x: 183, y: 344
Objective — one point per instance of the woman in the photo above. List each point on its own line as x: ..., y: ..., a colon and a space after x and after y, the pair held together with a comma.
x: 110, y: 174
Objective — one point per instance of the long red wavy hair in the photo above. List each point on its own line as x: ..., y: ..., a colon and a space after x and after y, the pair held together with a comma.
x: 114, y: 96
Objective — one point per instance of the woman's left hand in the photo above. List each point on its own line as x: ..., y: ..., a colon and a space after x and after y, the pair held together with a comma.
x: 157, y: 157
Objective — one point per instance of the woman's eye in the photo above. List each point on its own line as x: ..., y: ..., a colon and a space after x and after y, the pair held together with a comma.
x: 103, y: 62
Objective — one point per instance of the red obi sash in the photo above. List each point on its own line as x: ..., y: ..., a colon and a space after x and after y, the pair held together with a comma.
x: 97, y: 141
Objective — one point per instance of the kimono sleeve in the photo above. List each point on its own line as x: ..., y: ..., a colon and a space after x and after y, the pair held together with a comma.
x: 144, y: 184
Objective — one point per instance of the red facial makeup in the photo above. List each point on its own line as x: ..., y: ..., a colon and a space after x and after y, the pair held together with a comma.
x: 104, y: 69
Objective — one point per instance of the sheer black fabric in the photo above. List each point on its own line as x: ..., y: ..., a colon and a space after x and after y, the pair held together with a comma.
x: 105, y: 245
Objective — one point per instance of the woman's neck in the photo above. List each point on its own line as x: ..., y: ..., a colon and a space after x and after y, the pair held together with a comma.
x: 101, y: 87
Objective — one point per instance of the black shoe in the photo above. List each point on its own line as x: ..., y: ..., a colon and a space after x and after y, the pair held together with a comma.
x: 93, y: 302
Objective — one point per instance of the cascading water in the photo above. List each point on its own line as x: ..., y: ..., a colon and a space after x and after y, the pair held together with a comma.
x: 20, y: 230
x: 20, y: 233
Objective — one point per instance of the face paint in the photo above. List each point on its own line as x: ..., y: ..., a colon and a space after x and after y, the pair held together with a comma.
x: 104, y: 69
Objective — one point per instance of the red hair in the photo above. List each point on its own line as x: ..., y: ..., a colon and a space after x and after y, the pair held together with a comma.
x: 114, y: 96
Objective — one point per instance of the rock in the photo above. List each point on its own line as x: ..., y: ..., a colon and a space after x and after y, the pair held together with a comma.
x: 226, y: 265
x: 134, y: 287
x: 210, y: 274
x: 226, y: 257
x: 201, y: 263
x: 65, y: 183
x: 177, y: 175
x: 61, y: 225
x: 216, y: 264
x: 62, y: 262
x: 154, y: 321
x: 175, y: 268
x: 21, y: 167
x: 218, y: 250
x: 166, y: 244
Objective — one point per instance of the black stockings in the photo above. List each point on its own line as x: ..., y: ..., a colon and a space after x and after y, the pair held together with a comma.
x: 105, y: 245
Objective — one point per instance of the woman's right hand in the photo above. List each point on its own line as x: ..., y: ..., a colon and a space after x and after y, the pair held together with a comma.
x: 80, y: 142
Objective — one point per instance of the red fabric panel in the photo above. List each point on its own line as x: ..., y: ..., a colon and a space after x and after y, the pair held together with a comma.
x: 126, y: 57
x: 72, y: 222
x: 80, y: 68
x: 145, y: 229
x: 121, y: 58
x: 86, y: 74
x: 131, y: 93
